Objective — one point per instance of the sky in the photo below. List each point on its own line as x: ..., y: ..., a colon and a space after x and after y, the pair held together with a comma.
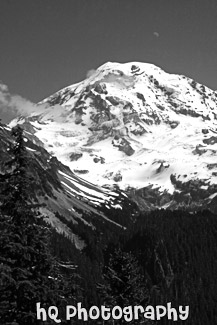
x: 46, y: 45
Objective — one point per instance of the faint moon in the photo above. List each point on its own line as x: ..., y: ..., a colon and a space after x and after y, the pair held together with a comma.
x: 156, y: 34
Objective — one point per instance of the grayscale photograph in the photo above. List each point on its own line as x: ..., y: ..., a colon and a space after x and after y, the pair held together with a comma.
x: 108, y: 162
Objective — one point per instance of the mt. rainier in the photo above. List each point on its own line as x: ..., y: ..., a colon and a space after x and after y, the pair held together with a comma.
x: 151, y: 133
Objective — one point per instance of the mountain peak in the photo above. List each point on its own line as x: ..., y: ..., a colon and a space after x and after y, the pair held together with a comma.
x: 134, y: 125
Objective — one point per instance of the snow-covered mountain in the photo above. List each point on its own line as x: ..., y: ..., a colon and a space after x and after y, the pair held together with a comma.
x: 132, y: 125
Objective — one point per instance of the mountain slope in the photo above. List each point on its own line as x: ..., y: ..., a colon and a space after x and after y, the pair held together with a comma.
x: 67, y: 201
x: 138, y: 127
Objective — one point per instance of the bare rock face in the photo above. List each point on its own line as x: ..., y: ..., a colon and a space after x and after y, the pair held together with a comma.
x: 75, y: 156
x: 100, y: 160
x: 126, y: 147
x: 173, y: 124
x: 101, y: 88
x: 211, y: 140
x: 117, y: 177
x: 123, y: 145
x: 205, y: 131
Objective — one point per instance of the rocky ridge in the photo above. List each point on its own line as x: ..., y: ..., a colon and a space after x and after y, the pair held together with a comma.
x: 65, y: 200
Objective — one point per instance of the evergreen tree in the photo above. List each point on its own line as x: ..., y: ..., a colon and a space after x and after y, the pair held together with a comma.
x: 124, y: 283
x: 26, y: 266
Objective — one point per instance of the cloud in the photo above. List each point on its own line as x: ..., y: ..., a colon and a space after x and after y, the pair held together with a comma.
x: 12, y: 106
x: 90, y: 73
